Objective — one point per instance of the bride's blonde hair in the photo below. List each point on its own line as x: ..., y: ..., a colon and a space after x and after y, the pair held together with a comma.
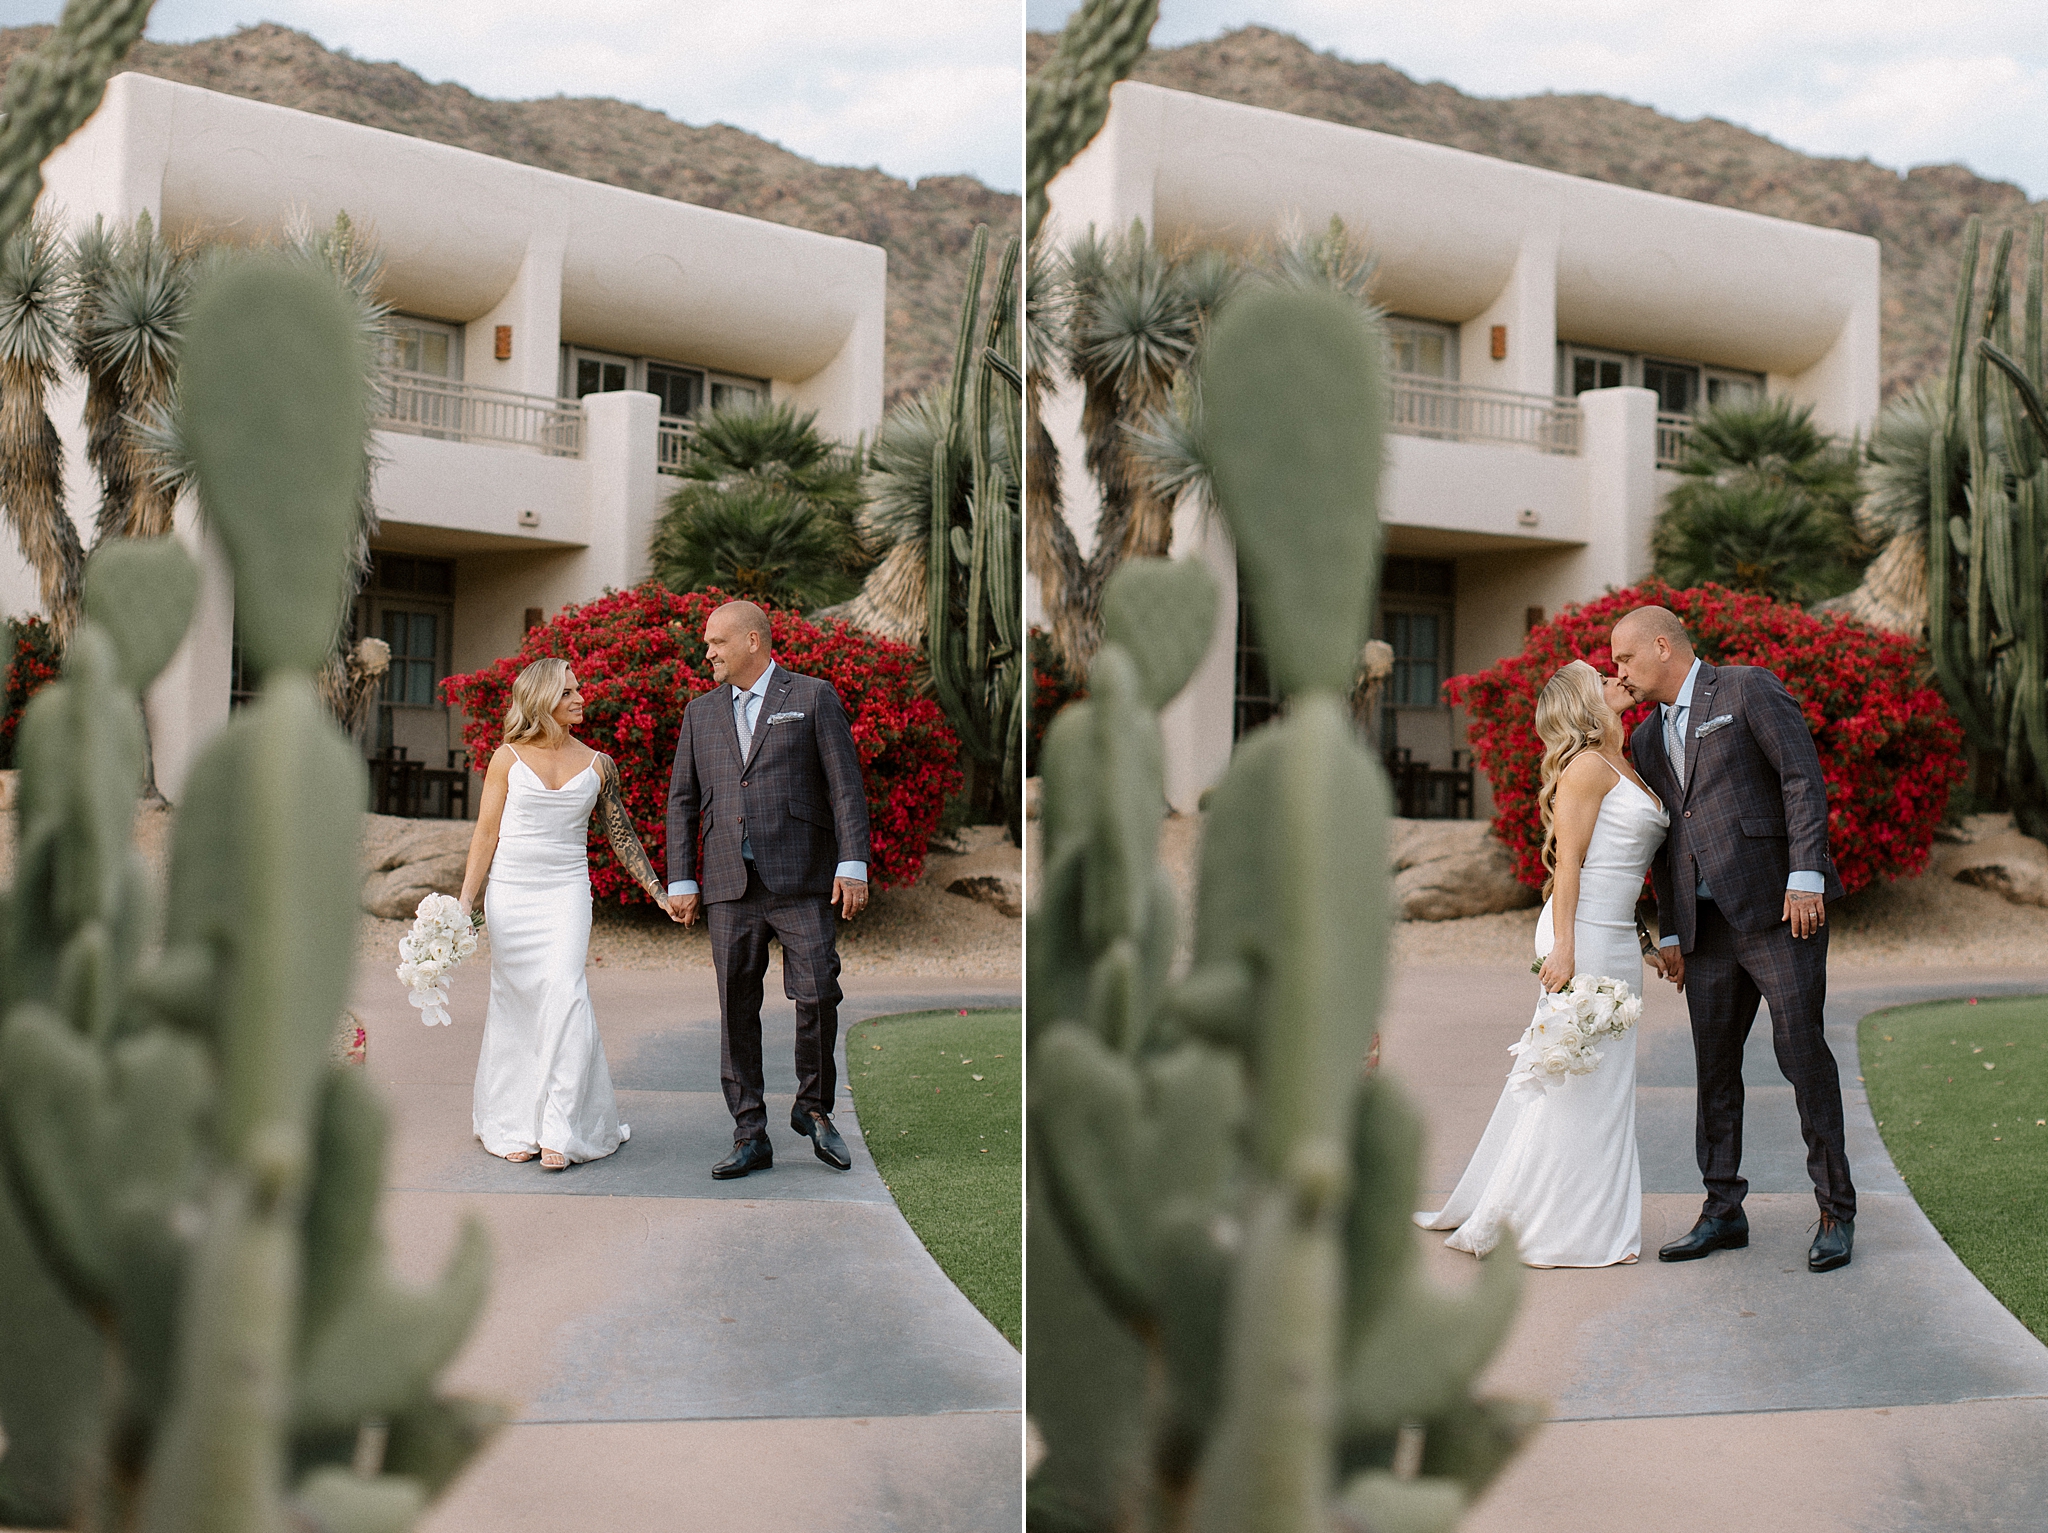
x: 1572, y: 717
x: 531, y: 715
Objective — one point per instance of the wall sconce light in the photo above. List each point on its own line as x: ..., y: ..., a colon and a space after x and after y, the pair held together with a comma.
x: 532, y: 518
x: 1527, y: 517
x: 1500, y: 343
x: 502, y: 349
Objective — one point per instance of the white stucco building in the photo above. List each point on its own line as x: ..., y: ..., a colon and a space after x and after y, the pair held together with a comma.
x: 552, y: 337
x: 1551, y: 338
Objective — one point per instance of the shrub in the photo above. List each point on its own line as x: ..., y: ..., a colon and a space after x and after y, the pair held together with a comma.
x: 1052, y: 687
x: 639, y: 656
x: 35, y: 658
x: 1889, y: 748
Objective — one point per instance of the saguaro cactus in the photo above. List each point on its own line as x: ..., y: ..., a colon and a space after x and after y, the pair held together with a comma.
x: 184, y: 1169
x: 1227, y: 1329
x: 974, y: 629
x: 1985, y: 529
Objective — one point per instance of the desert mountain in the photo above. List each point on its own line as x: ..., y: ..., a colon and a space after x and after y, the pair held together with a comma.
x: 1918, y: 215
x: 926, y: 228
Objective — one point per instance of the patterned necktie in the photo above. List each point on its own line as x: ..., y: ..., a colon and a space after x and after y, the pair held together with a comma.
x: 1674, y: 739
x: 740, y: 719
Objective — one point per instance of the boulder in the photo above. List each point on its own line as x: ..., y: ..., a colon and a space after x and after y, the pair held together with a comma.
x: 1448, y: 869
x: 2007, y: 864
x: 404, y: 861
x: 984, y: 867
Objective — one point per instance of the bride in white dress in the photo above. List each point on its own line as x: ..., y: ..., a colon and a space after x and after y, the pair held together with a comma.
x: 1559, y: 1166
x: 542, y: 1086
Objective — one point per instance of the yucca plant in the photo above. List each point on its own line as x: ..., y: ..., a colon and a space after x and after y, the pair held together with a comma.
x: 33, y: 323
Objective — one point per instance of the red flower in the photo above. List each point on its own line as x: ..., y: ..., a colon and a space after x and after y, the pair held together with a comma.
x: 36, y: 662
x: 1890, y: 750
x: 639, y: 656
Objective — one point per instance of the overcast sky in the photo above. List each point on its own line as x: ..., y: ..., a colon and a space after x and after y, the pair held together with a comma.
x: 918, y: 87
x: 1925, y: 82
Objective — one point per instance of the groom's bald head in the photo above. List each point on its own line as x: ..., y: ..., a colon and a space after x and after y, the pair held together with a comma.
x: 1652, y: 653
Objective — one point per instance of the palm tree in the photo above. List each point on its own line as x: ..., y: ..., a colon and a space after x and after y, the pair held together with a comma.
x: 1767, y: 504
x: 758, y: 541
x: 32, y: 333
x: 768, y: 507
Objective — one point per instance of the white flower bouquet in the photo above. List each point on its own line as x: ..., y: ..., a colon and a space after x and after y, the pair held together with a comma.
x: 1560, y: 1037
x: 441, y: 937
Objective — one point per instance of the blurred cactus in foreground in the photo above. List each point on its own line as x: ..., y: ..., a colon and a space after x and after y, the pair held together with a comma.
x: 197, y: 1329
x: 1228, y: 1330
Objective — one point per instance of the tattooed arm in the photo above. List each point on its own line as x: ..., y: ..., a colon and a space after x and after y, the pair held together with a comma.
x: 619, y: 832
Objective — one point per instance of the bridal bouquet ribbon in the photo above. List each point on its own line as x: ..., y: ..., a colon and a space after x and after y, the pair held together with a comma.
x: 1560, y: 1037
x: 441, y: 937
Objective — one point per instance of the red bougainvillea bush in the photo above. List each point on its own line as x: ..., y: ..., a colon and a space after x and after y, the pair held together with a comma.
x: 1889, y: 747
x: 35, y: 662
x: 639, y: 657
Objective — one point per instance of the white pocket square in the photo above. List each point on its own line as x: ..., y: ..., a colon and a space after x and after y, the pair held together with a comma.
x: 1713, y: 724
x: 779, y: 718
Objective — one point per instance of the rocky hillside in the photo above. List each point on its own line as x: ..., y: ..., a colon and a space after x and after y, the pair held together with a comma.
x: 1917, y: 215
x: 925, y: 228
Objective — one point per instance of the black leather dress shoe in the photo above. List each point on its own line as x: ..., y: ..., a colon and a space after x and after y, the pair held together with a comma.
x: 747, y: 1155
x: 1706, y: 1237
x: 824, y: 1138
x: 1831, y: 1245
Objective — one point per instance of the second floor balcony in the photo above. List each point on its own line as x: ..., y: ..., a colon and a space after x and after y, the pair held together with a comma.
x: 1420, y: 405
x: 422, y: 404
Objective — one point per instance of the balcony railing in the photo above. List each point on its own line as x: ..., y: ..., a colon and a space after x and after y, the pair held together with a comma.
x: 1455, y: 412
x: 421, y: 404
x: 671, y: 441
x: 1673, y: 434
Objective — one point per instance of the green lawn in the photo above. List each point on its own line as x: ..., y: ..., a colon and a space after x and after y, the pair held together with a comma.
x: 1960, y: 1093
x: 941, y: 1101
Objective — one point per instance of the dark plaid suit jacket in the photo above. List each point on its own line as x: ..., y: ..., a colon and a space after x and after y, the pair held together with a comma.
x: 1752, y: 809
x: 797, y: 797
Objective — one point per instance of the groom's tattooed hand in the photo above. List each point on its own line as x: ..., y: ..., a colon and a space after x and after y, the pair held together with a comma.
x: 1807, y: 913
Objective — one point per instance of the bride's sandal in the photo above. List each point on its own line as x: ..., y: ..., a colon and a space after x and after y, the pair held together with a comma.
x: 553, y: 1160
x: 516, y: 1156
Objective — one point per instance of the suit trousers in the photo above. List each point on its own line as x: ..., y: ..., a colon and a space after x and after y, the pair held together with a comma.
x: 1726, y: 974
x: 740, y: 930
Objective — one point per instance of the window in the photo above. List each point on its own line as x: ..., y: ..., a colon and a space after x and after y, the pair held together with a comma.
x: 414, y: 345
x: 415, y: 640
x: 592, y: 372
x: 1416, y: 598
x: 736, y: 395
x: 680, y: 389
x: 1256, y: 698
x: 1676, y: 385
x: 1581, y: 370
x: 1726, y: 388
x: 1423, y: 347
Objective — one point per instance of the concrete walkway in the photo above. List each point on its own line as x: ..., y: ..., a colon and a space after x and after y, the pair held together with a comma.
x: 771, y: 1353
x: 1742, y: 1392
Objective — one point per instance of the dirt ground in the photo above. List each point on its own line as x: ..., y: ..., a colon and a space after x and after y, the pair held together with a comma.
x: 920, y: 930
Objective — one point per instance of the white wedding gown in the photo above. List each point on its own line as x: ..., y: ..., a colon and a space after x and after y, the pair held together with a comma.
x: 1559, y: 1166
x: 541, y: 1078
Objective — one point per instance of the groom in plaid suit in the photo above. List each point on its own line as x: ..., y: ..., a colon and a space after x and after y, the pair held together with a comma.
x: 1743, y: 880
x: 767, y: 772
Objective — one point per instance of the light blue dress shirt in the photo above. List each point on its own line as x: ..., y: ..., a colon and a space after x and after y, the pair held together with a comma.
x: 746, y: 712
x: 1680, y: 715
